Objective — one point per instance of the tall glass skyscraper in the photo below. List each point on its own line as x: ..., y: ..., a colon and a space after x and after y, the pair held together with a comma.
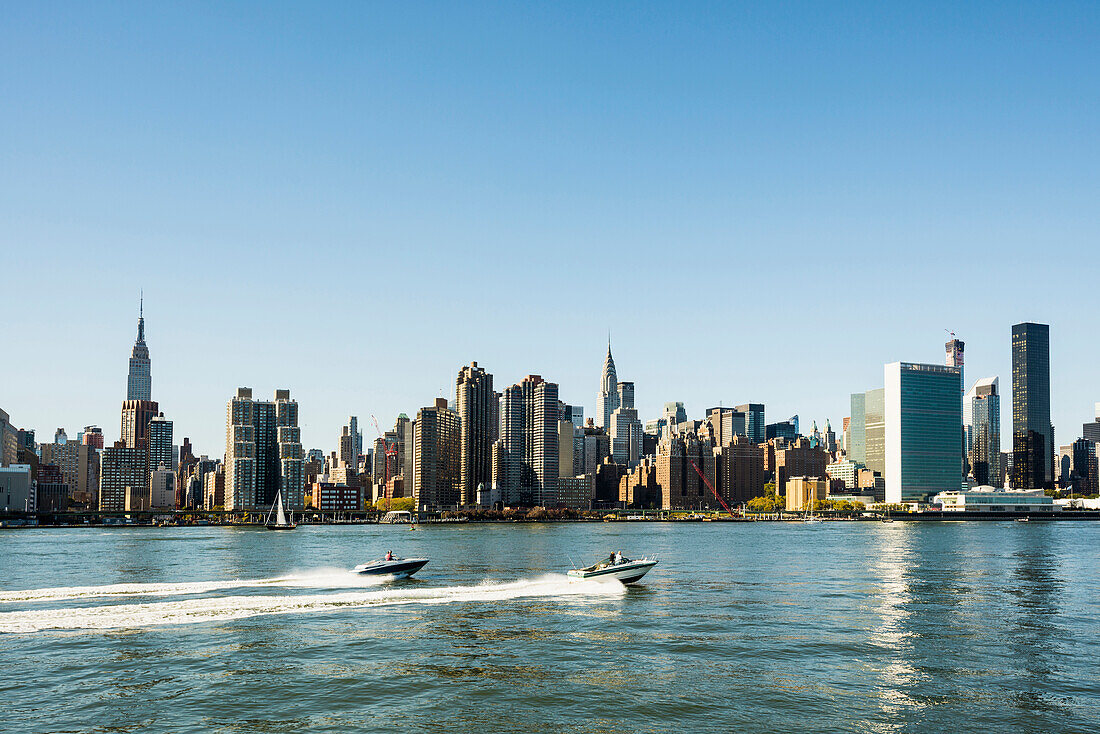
x: 1032, y: 433
x: 985, y: 431
x: 923, y: 415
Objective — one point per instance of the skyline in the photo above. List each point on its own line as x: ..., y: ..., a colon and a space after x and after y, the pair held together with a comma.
x: 318, y: 427
x: 762, y: 203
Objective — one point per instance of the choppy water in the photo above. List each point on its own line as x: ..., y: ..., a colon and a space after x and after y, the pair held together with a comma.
x: 748, y: 627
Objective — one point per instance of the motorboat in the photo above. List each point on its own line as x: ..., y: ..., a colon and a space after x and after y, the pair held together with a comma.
x: 617, y: 567
x: 398, y: 568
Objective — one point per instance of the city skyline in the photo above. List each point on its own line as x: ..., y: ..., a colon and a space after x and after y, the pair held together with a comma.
x: 331, y: 442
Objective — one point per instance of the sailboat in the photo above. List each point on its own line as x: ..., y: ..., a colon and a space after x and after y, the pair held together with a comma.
x: 810, y: 518
x: 281, y: 521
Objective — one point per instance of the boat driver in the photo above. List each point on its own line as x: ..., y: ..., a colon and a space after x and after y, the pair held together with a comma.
x: 389, y: 555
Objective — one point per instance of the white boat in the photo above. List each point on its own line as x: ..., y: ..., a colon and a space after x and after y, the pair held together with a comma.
x: 280, y: 519
x: 398, y: 568
x: 623, y: 569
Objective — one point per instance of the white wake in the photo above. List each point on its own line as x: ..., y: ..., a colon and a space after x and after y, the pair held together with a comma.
x: 318, y: 578
x: 225, y: 608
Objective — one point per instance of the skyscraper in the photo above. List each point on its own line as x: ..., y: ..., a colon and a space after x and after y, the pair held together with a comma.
x: 263, y: 452
x: 526, y: 468
x: 608, y: 399
x: 139, y: 380
x: 436, y: 456
x: 754, y: 421
x: 160, y: 443
x: 1032, y: 433
x: 985, y: 430
x: 625, y: 428
x: 350, y: 447
x: 136, y: 415
x: 478, y: 408
x: 922, y: 415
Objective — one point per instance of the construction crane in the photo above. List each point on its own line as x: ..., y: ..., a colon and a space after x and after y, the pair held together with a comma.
x: 388, y: 450
x: 711, y: 488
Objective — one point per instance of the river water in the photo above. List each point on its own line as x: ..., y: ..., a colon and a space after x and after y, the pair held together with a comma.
x: 869, y: 627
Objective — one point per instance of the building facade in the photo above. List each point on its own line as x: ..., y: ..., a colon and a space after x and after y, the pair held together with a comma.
x: 923, y: 431
x: 263, y: 452
x: 477, y: 405
x: 1032, y: 433
x: 437, y: 470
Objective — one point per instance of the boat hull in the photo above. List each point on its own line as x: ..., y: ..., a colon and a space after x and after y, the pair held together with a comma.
x: 627, y: 573
x: 400, y: 569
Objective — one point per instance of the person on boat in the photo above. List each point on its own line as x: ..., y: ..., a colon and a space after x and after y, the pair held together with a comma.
x: 389, y: 555
x: 616, y: 558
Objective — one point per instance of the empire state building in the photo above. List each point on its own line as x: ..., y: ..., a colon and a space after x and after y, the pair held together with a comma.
x: 139, y: 382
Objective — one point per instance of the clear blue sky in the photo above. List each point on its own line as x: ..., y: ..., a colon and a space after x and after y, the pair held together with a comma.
x: 762, y: 202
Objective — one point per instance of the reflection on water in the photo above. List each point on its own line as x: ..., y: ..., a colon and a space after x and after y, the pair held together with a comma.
x: 747, y: 627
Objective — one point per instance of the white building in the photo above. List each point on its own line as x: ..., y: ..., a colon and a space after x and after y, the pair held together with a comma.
x: 991, y: 499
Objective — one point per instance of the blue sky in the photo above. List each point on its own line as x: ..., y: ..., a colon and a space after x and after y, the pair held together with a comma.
x: 762, y: 202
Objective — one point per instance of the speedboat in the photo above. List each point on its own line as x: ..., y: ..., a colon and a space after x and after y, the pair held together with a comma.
x: 623, y: 569
x: 398, y: 568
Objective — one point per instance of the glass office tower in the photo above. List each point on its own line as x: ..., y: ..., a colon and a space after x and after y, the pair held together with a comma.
x: 923, y: 415
x: 1032, y: 434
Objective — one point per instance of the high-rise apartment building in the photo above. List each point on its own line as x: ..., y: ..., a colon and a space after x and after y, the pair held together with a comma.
x: 478, y: 406
x: 436, y: 456
x: 984, y: 430
x: 124, y: 470
x: 526, y: 463
x: 923, y: 416
x: 625, y: 428
x: 263, y: 452
x: 160, y: 443
x: 136, y: 415
x: 608, y: 399
x: 139, y: 385
x: 1032, y: 433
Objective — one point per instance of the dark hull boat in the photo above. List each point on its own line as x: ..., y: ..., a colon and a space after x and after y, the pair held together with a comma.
x: 398, y: 568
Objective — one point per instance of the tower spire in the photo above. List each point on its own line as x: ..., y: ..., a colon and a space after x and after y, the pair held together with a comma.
x: 141, y: 317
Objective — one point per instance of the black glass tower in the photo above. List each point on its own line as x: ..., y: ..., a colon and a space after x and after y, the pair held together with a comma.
x: 1032, y: 433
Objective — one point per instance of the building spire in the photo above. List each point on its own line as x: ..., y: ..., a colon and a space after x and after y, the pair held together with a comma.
x: 141, y: 317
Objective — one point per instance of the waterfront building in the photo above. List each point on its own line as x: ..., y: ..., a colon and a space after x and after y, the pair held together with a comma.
x: 51, y: 490
x: 797, y: 458
x: 478, y: 407
x: 123, y: 469
x: 923, y: 416
x: 681, y: 486
x: 802, y: 491
x: 639, y: 487
x: 576, y: 492
x: 990, y: 499
x: 436, y: 457
x: 159, y: 433
x: 984, y: 430
x: 566, y: 449
x: 1084, y: 475
x: 526, y: 454
x: 844, y: 474
x: 9, y: 440
x: 65, y: 455
x: 626, y: 435
x: 162, y: 489
x: 1032, y: 433
x: 740, y: 470
x: 608, y: 399
x: 263, y: 452
x: 335, y: 497
x: 213, y: 488
x: 16, y: 488
x: 139, y: 384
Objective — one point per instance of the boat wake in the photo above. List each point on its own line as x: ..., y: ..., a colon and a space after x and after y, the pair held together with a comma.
x: 226, y: 608
x: 329, y: 578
